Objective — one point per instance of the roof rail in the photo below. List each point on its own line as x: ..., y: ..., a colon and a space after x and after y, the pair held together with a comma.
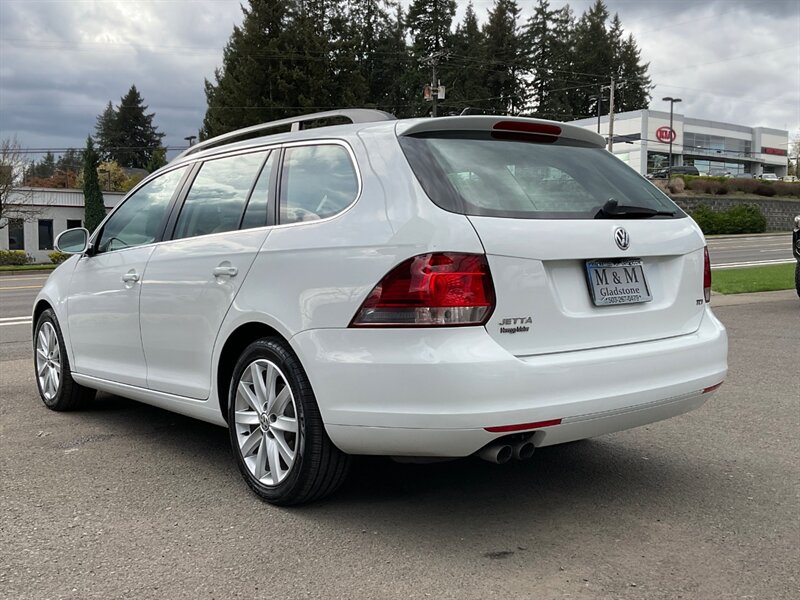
x: 355, y: 115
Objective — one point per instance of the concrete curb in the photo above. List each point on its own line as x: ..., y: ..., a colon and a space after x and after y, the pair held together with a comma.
x: 718, y: 300
x: 26, y: 272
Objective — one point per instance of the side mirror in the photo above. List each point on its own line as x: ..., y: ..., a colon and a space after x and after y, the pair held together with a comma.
x: 73, y: 241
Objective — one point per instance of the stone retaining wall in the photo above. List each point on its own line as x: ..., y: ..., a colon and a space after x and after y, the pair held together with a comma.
x: 780, y: 214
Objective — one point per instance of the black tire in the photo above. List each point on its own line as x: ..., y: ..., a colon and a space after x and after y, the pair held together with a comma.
x: 319, y: 467
x: 69, y: 395
x: 797, y: 277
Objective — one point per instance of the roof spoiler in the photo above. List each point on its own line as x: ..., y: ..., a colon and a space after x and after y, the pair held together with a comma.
x: 502, y: 124
x: 354, y: 115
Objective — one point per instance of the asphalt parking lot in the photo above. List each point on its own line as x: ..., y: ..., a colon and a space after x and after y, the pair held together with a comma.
x: 125, y: 500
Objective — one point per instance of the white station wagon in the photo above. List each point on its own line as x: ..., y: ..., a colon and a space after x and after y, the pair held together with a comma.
x: 422, y: 288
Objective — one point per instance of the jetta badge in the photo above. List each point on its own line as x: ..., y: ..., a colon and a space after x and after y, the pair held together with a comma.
x: 622, y: 238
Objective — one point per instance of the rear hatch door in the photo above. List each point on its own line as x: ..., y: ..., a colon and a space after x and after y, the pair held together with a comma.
x: 568, y: 275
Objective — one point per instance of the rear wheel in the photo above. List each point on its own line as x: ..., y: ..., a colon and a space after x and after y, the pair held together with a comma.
x: 53, y: 377
x: 797, y: 277
x: 276, y: 430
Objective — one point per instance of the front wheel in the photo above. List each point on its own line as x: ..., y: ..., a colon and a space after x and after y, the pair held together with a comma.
x: 53, y: 376
x: 276, y: 429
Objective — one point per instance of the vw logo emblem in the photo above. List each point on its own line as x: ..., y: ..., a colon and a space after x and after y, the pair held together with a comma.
x: 622, y: 238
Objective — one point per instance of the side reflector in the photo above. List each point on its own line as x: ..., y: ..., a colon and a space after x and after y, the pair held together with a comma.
x: 712, y: 388
x: 523, y: 426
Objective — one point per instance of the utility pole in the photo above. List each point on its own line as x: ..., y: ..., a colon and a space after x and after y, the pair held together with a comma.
x: 672, y: 136
x: 435, y: 91
x: 611, y: 117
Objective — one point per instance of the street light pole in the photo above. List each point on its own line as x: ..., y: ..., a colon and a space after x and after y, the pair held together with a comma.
x: 672, y: 135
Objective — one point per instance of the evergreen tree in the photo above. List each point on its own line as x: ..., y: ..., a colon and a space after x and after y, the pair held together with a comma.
x: 94, y: 207
x: 429, y: 22
x: 138, y: 137
x: 601, y: 53
x: 504, y: 63
x: 381, y: 54
x: 70, y: 161
x: 467, y: 82
x: 107, y: 133
x: 548, y: 40
x: 158, y: 160
x: 634, y: 90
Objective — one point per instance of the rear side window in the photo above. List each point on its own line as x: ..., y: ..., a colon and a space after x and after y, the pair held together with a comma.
x: 317, y: 182
x: 475, y: 174
x: 215, y: 203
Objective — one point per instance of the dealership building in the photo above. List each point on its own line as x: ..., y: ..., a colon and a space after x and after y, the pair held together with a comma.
x: 641, y: 139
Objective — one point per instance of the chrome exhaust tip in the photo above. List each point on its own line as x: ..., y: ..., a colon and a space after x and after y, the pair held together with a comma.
x: 523, y: 450
x: 496, y: 453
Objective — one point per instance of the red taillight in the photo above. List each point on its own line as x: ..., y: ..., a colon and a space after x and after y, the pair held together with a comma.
x: 706, y: 275
x: 442, y: 289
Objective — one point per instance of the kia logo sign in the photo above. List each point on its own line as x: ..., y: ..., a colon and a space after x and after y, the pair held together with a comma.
x: 665, y: 134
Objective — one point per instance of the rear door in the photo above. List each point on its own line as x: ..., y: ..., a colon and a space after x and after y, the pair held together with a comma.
x: 567, y: 275
x: 191, y: 280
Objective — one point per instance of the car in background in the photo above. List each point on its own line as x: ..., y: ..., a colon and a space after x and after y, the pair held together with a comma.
x: 418, y: 288
x: 677, y: 170
x: 768, y: 177
x: 789, y: 178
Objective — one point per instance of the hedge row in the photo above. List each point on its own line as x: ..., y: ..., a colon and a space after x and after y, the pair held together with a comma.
x: 746, y: 218
x: 15, y: 257
x: 723, y: 185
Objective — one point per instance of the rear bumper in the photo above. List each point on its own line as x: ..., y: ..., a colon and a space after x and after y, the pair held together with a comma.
x: 434, y: 392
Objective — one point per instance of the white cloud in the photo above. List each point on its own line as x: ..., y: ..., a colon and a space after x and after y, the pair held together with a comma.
x: 61, y: 62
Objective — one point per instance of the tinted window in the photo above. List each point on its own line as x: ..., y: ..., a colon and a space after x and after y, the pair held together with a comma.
x: 317, y: 182
x: 216, y: 201
x: 256, y: 213
x: 45, y: 234
x: 74, y: 223
x: 476, y: 174
x: 140, y: 218
x: 16, y: 234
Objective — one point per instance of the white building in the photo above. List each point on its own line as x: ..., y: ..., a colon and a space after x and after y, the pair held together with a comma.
x: 55, y: 211
x: 714, y: 148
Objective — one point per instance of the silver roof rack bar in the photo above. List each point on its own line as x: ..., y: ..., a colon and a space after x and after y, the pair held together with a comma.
x: 355, y: 115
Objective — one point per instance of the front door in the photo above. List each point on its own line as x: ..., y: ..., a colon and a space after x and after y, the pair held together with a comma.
x: 103, y: 300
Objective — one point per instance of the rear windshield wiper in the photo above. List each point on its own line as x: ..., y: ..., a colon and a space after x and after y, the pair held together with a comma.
x: 612, y: 209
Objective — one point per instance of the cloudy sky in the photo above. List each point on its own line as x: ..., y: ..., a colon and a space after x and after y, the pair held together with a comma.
x: 61, y: 61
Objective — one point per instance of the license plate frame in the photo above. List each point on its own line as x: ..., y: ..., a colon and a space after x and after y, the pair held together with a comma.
x: 616, y: 282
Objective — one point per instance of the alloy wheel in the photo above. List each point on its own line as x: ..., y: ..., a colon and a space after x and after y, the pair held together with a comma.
x: 48, y: 360
x: 266, y: 423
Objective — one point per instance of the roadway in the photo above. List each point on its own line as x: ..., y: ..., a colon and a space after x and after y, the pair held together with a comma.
x: 126, y: 500
x: 743, y: 250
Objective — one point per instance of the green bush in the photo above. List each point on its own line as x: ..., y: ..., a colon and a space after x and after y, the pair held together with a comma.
x: 58, y: 257
x: 765, y: 189
x: 745, y: 218
x: 15, y: 257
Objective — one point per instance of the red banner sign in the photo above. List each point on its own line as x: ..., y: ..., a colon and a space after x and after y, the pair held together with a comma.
x: 775, y: 151
x: 666, y: 135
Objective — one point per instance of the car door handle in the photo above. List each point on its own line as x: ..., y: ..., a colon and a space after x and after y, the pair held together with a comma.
x: 225, y: 271
x: 130, y: 277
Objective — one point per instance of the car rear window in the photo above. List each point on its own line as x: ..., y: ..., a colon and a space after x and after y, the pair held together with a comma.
x: 477, y: 174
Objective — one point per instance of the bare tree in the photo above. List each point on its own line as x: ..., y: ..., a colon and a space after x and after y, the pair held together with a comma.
x: 14, y: 203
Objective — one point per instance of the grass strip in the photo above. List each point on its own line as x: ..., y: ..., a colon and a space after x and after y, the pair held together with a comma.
x: 14, y: 268
x: 753, y: 279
